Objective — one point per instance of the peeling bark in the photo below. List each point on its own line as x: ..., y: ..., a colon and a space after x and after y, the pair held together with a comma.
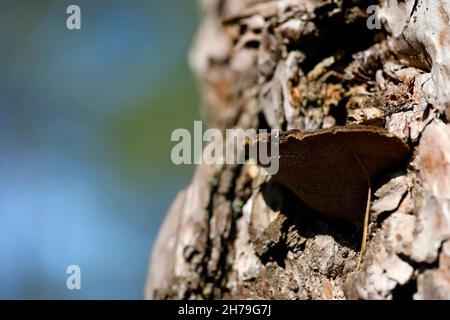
x: 311, y: 64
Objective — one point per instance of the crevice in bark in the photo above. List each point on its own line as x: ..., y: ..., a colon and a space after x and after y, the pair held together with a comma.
x: 406, y: 291
x: 277, y: 254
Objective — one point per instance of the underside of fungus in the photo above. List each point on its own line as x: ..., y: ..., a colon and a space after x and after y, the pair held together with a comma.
x: 327, y: 168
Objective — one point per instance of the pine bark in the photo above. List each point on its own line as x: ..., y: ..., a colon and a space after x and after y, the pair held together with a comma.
x: 310, y: 64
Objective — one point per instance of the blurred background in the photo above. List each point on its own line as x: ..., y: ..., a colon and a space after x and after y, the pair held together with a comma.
x: 85, y: 124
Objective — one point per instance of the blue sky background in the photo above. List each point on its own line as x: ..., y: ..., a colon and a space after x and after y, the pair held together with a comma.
x: 85, y: 123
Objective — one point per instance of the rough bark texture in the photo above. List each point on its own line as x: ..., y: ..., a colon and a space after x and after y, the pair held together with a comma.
x: 310, y: 64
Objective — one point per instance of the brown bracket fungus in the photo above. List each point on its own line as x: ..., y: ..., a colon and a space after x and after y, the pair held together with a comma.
x: 331, y: 169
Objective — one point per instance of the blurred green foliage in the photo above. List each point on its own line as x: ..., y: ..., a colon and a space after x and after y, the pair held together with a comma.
x: 142, y: 135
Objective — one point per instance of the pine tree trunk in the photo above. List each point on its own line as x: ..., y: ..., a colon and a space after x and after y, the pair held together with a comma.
x: 310, y: 64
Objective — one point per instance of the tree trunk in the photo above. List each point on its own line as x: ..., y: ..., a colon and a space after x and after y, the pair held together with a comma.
x: 310, y: 64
